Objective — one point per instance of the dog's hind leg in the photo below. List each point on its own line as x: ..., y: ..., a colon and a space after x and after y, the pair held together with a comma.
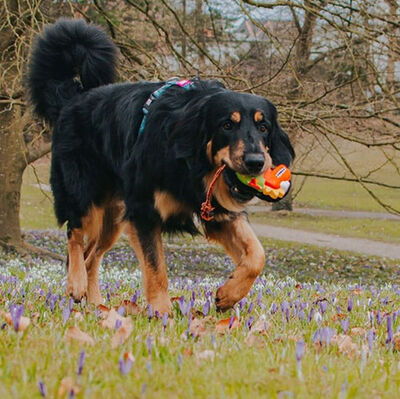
x: 77, y: 278
x: 76, y: 272
x: 147, y: 245
x: 242, y: 245
x: 110, y: 232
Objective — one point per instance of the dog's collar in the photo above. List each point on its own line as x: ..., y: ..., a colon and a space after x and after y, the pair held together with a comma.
x: 184, y: 83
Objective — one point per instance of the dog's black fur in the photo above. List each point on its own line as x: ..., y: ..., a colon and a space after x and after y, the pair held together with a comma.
x: 97, y: 153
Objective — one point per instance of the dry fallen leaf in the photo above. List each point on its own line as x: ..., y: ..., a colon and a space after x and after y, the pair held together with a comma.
x: 187, y: 351
x: 260, y: 326
x: 130, y: 307
x: 111, y: 319
x: 338, y: 316
x: 104, y: 310
x: 123, y: 332
x: 222, y: 326
x: 345, y: 345
x: 198, y: 327
x: 254, y: 340
x: 66, y: 386
x: 396, y: 341
x: 23, y: 321
x: 76, y: 334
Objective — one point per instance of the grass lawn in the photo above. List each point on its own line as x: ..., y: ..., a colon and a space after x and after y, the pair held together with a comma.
x: 339, y: 307
x: 374, y: 229
x: 323, y: 193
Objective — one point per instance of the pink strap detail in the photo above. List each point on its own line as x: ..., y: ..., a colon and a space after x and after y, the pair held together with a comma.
x: 183, y: 82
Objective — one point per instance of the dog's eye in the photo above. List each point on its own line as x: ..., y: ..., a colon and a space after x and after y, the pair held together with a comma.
x: 228, y: 125
x: 262, y: 128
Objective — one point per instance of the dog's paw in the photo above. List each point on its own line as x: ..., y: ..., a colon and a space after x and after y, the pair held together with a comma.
x: 77, y: 288
x: 224, y: 299
x: 162, y: 304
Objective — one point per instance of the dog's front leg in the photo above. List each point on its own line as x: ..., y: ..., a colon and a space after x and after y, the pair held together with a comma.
x: 147, y: 245
x: 242, y: 245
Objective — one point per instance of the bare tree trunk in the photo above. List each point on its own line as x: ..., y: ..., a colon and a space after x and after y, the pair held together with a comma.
x: 12, y: 165
x: 393, y: 38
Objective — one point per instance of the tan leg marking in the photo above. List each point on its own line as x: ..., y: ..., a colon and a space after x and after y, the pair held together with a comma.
x: 77, y: 279
x: 110, y: 232
x: 76, y: 276
x: 154, y: 272
x: 242, y: 245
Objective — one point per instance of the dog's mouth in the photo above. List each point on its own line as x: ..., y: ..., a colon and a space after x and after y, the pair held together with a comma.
x: 238, y: 191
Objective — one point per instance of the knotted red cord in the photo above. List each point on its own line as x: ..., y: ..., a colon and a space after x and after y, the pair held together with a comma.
x: 206, y: 207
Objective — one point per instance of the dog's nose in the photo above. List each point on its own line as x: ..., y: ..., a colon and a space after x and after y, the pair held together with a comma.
x: 254, y: 162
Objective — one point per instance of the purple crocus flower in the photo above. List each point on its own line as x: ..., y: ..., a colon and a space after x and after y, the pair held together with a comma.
x: 389, y: 329
x: 300, y: 346
x: 16, y: 312
x: 118, y: 324
x: 274, y: 308
x: 350, y: 305
x: 165, y: 320
x: 284, y: 306
x: 180, y: 359
x: 242, y: 302
x: 52, y: 302
x: 249, y: 322
x: 370, y: 338
x: 310, y: 315
x: 378, y: 317
x: 259, y: 297
x: 323, y: 305
x: 213, y: 342
x: 42, y: 389
x: 345, y: 325
x: 184, y: 306
x: 125, y: 363
x: 149, y: 368
x: 324, y: 335
x: 327, y: 334
x: 70, y: 304
x: 150, y: 312
x: 81, y: 362
x: 206, y: 308
x: 287, y: 314
x: 135, y: 297
x: 121, y: 311
x: 148, y: 344
x: 231, y: 319
x: 251, y: 307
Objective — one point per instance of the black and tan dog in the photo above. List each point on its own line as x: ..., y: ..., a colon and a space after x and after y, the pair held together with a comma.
x: 111, y: 173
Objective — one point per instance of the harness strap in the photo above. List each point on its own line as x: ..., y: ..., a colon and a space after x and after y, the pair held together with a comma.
x: 184, y: 83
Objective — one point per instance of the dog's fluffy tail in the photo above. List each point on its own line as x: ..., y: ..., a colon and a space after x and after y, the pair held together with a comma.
x: 68, y: 58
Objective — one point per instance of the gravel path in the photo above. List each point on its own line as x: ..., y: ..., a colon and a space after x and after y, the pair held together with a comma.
x: 363, y: 246
x: 333, y: 213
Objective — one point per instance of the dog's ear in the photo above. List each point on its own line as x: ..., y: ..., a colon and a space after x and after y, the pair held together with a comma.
x: 189, y: 135
x: 280, y: 149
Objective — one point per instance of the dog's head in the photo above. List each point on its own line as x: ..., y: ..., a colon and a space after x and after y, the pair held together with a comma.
x: 245, y: 134
x: 241, y: 131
